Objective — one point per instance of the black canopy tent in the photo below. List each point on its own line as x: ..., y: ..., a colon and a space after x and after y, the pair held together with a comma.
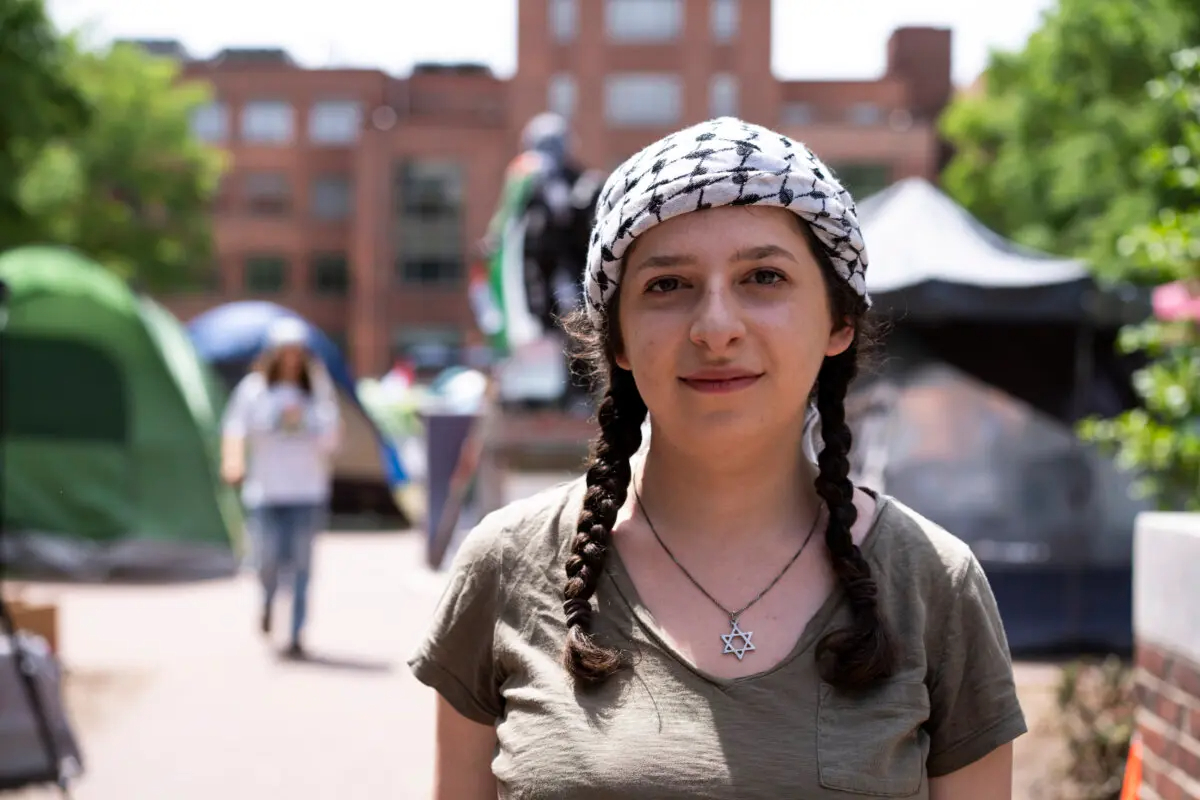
x: 992, y: 352
x: 1037, y: 326
x: 932, y: 260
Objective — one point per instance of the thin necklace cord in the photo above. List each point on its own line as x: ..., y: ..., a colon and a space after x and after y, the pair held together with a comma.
x: 733, y: 615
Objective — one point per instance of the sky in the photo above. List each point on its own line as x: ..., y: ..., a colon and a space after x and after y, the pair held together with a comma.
x: 812, y: 39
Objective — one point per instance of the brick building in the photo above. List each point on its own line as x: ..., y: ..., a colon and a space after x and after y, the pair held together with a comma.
x: 356, y: 197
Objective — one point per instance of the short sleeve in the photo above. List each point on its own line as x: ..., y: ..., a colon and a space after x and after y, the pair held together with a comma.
x: 457, y: 656
x: 973, y: 698
x: 236, y: 420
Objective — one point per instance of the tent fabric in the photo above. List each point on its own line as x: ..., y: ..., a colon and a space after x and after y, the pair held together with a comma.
x: 931, y: 258
x: 989, y: 465
x: 110, y: 462
x: 231, y: 336
x: 916, y: 233
x: 1035, y: 504
x: 236, y: 332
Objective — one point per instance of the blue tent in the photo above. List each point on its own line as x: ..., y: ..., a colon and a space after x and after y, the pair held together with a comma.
x: 231, y: 336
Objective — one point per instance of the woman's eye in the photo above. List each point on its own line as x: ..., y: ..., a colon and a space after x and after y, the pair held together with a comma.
x: 766, y: 277
x: 663, y: 285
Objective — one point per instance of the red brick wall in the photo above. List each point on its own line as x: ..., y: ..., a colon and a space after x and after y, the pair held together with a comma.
x: 1168, y: 721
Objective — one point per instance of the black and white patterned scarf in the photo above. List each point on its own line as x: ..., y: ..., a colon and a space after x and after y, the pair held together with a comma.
x: 721, y: 162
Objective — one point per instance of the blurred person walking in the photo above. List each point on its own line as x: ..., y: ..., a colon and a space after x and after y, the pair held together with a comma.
x: 280, y: 432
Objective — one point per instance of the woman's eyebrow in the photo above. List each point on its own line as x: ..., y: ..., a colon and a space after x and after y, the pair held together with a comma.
x: 761, y: 252
x: 667, y: 260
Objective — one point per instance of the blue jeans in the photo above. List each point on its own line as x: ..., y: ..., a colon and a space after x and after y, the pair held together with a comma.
x: 285, y: 535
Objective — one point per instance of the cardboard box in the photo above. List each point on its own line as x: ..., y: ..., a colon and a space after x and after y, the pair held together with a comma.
x: 37, y: 618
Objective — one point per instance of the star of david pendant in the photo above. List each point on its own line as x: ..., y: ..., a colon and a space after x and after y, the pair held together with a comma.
x: 732, y: 638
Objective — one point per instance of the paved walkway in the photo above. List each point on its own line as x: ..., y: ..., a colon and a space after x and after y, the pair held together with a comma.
x: 177, y: 695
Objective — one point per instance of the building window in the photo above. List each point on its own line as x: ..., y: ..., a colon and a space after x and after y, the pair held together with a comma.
x: 427, y: 348
x: 561, y: 97
x: 267, y: 194
x: 210, y: 122
x: 429, y: 223
x: 724, y: 20
x: 330, y: 274
x: 640, y: 21
x: 268, y: 122
x: 799, y: 114
x: 564, y: 20
x: 265, y: 274
x: 332, y: 197
x: 900, y: 120
x: 863, y: 179
x: 723, y: 95
x: 865, y: 114
x: 334, y: 122
x: 643, y: 99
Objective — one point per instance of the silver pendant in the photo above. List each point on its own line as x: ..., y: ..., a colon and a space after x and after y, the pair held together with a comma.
x: 737, y: 641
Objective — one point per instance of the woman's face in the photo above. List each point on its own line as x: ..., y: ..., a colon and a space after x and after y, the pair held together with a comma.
x: 724, y: 322
x: 291, y: 361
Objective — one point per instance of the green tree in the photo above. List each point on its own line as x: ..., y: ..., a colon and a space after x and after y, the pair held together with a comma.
x: 1161, y: 439
x: 1048, y: 152
x: 133, y: 189
x: 38, y: 102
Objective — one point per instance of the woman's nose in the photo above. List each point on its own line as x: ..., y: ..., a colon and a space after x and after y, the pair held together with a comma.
x: 718, y: 320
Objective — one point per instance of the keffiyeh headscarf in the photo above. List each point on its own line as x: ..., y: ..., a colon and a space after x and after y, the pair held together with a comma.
x: 721, y: 162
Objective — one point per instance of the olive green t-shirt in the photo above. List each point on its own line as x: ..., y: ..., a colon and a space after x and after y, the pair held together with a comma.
x: 663, y: 729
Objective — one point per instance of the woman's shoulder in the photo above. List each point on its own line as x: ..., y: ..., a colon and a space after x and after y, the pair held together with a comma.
x: 245, y: 393
x: 252, y: 382
x: 951, y: 636
x: 529, y: 530
x: 903, y: 542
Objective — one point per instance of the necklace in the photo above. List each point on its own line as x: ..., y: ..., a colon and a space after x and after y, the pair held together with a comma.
x: 737, y: 641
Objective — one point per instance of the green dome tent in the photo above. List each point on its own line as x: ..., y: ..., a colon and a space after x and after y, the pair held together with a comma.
x: 110, y: 431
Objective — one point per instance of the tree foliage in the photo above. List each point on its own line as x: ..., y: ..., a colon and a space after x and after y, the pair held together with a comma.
x: 1049, y: 152
x: 38, y: 101
x: 133, y: 191
x: 1161, y: 439
x: 96, y: 153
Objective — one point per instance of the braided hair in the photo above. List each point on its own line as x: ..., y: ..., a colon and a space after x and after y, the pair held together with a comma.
x: 862, y: 654
x: 855, y: 657
x: 620, y: 415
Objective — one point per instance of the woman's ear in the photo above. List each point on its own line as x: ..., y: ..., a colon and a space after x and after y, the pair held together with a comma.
x: 840, y: 339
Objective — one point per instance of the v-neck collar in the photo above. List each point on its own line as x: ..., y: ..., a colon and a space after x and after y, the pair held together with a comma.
x: 619, y: 576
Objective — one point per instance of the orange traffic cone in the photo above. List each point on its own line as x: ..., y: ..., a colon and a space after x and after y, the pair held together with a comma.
x: 1133, y: 770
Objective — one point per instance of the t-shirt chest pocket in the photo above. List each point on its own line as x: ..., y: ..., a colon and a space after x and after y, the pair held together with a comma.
x: 874, y: 743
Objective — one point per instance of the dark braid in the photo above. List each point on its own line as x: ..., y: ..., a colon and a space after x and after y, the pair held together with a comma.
x: 620, y: 415
x: 862, y: 654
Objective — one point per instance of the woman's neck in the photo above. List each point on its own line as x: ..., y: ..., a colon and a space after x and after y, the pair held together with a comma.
x: 755, y: 491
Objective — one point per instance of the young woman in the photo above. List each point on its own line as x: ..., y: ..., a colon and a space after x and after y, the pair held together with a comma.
x: 718, y: 616
x: 280, y: 431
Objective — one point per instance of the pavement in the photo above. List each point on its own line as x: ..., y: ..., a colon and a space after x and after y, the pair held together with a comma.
x: 176, y: 694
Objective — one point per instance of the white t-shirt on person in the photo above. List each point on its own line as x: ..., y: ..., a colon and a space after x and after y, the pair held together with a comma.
x: 290, y: 437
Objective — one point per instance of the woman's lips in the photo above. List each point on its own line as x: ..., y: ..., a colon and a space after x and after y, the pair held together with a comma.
x: 720, y: 385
